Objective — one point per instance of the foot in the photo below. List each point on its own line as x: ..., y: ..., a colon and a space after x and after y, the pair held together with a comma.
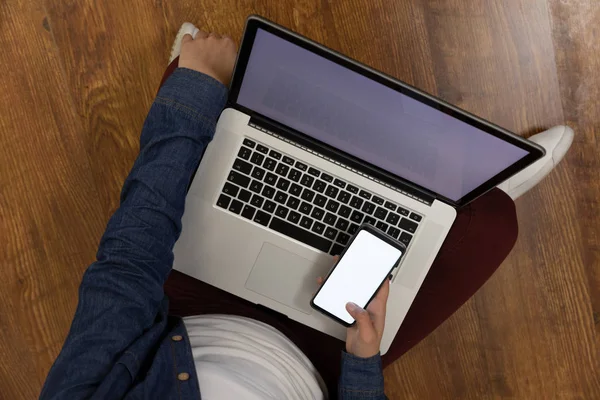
x: 556, y: 141
x: 186, y: 28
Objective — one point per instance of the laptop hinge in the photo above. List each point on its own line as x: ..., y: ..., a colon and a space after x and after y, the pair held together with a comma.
x: 341, y: 159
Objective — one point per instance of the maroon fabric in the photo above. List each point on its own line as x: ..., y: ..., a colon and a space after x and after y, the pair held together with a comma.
x: 480, y: 239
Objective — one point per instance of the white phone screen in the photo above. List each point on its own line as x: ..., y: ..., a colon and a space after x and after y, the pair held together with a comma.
x: 357, y: 275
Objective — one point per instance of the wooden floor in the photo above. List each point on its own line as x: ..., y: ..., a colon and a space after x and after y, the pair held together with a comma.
x: 78, y: 77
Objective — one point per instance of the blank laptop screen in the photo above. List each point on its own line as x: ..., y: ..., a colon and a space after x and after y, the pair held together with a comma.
x: 370, y: 121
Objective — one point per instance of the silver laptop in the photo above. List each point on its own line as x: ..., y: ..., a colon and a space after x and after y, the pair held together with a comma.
x: 313, y: 144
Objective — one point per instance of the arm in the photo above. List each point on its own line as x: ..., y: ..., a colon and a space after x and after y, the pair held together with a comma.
x: 361, y: 378
x: 122, y: 292
x: 362, y: 374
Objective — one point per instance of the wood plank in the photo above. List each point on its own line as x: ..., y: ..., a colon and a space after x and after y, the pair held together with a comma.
x: 49, y: 223
x: 114, y: 56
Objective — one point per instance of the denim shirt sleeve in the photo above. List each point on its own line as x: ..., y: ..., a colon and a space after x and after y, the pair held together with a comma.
x: 121, y: 293
x: 361, y: 378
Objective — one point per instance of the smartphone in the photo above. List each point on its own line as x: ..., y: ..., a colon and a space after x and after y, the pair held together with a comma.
x: 363, y: 267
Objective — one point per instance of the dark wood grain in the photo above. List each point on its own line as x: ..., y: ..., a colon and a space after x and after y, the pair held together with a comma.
x: 79, y: 77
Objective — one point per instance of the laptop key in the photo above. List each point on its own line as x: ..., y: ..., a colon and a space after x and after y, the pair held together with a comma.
x: 332, y: 205
x: 390, y: 206
x: 300, y: 234
x: 230, y: 189
x: 294, y: 217
x: 262, y: 218
x: 258, y: 173
x: 320, y: 200
x: 248, y: 211
x: 405, y: 238
x: 283, y: 184
x: 342, y: 238
x: 319, y: 186
x: 306, y: 222
x: 275, y: 154
x: 262, y: 149
x: 238, y: 179
x: 271, y: 178
x: 236, y: 206
x: 368, y: 207
x: 330, y: 219
x: 378, y: 200
x: 352, y: 189
x: 392, y: 218
x: 305, y: 208
x: 342, y: 224
x: 269, y: 206
x: 314, y: 172
x: 301, y: 166
x: 344, y: 211
x: 249, y: 143
x: 268, y: 192
x: 244, y: 153
x: 281, y: 211
x: 330, y: 233
x: 296, y: 189
x: 382, y: 226
x: 295, y: 175
x: 364, y: 195
x: 369, y: 220
x: 282, y: 169
x: 352, y: 229
x: 403, y: 211
x: 380, y: 213
x: 408, y: 225
x: 415, y: 217
x: 317, y: 213
x: 356, y: 202
x: 339, y: 183
x: 308, y: 195
x: 257, y: 158
x: 270, y: 164
x: 332, y: 191
x: 307, y: 180
x: 326, y: 177
x: 344, y: 197
x: 293, y: 203
x: 281, y: 197
x: 318, y: 228
x: 244, y: 196
x: 357, y: 216
x: 223, y: 201
x: 288, y: 160
x: 393, y: 232
x: 242, y: 166
x: 256, y: 186
x: 257, y: 201
x: 336, y: 250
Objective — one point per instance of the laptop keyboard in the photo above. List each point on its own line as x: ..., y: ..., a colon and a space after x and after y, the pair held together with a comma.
x: 305, y: 203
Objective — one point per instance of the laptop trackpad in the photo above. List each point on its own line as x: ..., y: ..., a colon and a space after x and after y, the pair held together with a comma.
x: 285, y: 277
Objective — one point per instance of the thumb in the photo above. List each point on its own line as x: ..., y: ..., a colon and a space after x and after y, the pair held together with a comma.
x: 186, y: 38
x: 362, y: 317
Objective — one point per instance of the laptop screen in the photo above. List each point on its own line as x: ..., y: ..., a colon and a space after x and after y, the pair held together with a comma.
x: 369, y: 120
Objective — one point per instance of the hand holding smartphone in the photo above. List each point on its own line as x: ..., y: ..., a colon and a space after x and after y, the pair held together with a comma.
x: 363, y: 267
x: 356, y: 290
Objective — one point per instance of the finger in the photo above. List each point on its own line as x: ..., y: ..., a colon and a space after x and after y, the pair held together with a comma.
x: 215, y: 35
x: 320, y: 280
x: 378, y: 306
x: 201, y: 35
x: 362, y: 317
x: 187, y: 38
